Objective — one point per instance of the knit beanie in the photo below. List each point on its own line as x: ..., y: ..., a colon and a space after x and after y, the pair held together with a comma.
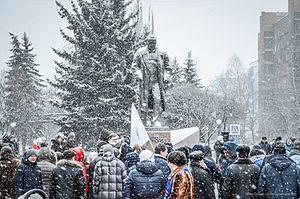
x: 146, y: 155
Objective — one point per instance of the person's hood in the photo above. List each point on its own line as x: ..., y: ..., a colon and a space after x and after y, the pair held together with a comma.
x: 146, y: 167
x: 280, y: 162
x: 230, y: 147
x: 27, y: 154
x: 79, y: 154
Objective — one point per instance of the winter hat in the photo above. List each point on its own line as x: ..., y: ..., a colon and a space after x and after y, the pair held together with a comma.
x: 296, y: 145
x: 198, y: 147
x: 31, y: 152
x: 106, y: 148
x: 147, y: 155
x: 178, y: 158
x: 6, y: 151
x: 196, y: 156
x: 68, y: 154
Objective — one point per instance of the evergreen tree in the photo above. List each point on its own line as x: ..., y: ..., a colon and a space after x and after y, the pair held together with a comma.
x: 175, y: 73
x: 23, y: 89
x: 189, y: 71
x: 95, y: 81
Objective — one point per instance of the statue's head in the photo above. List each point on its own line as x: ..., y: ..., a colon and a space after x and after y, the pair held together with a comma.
x: 151, y: 42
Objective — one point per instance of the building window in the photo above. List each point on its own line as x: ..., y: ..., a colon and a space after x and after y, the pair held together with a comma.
x: 268, y: 34
x: 269, y: 43
x: 269, y: 56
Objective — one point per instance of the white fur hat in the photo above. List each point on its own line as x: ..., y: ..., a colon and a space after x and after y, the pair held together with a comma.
x: 147, y: 155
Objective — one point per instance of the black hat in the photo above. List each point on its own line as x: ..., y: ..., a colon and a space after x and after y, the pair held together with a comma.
x: 196, y: 155
x: 264, y: 138
x: 178, y: 158
x: 68, y: 154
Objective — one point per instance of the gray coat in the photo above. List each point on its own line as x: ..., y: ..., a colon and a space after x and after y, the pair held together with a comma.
x: 108, y: 178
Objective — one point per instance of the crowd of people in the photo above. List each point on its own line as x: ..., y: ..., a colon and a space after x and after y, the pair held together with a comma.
x: 117, y: 170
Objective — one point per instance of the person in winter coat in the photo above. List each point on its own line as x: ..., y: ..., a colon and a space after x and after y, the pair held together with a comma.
x: 242, y: 177
x: 79, y: 158
x: 28, y: 174
x: 58, y: 143
x: 280, y: 177
x: 203, y: 181
x: 264, y: 145
x: 257, y: 156
x: 295, y: 152
x: 132, y: 158
x: 46, y: 156
x: 8, y: 166
x: 180, y: 183
x: 70, y: 142
x: 108, y: 176
x: 146, y: 180
x: 160, y: 160
x: 67, y: 180
x: 229, y: 153
x: 92, y: 165
x: 208, y: 160
x: 288, y: 144
x: 218, y: 147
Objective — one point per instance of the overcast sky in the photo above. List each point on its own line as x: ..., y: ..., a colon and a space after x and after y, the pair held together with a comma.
x: 212, y: 29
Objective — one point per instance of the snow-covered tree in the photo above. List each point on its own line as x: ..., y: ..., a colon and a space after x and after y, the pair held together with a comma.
x: 23, y: 84
x: 175, y: 73
x: 95, y: 80
x: 190, y: 72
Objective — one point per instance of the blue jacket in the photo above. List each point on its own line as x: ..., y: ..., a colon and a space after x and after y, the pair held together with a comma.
x: 162, y: 164
x: 279, y: 179
x: 146, y: 181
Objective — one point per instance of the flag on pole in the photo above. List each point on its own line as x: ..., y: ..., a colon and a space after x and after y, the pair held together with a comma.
x: 138, y: 133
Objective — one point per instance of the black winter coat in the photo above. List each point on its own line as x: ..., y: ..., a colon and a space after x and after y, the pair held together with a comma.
x: 144, y: 182
x: 67, y: 181
x: 28, y: 176
x: 203, y: 182
x: 279, y: 179
x: 241, y: 180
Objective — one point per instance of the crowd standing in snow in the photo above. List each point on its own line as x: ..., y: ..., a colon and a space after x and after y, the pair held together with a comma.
x: 116, y: 170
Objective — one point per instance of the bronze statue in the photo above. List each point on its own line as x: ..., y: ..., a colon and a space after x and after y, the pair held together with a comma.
x: 151, y: 65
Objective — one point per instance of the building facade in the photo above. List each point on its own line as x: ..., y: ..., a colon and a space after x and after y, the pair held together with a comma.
x: 279, y: 72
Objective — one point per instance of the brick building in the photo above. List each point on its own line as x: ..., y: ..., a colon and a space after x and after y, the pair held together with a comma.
x: 279, y: 72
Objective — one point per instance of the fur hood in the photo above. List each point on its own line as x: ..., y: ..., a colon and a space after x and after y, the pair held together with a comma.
x: 68, y: 163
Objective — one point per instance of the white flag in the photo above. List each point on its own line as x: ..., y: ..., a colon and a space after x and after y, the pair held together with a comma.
x: 138, y: 133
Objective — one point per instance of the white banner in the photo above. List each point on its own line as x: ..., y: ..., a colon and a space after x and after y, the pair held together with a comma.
x: 138, y: 133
